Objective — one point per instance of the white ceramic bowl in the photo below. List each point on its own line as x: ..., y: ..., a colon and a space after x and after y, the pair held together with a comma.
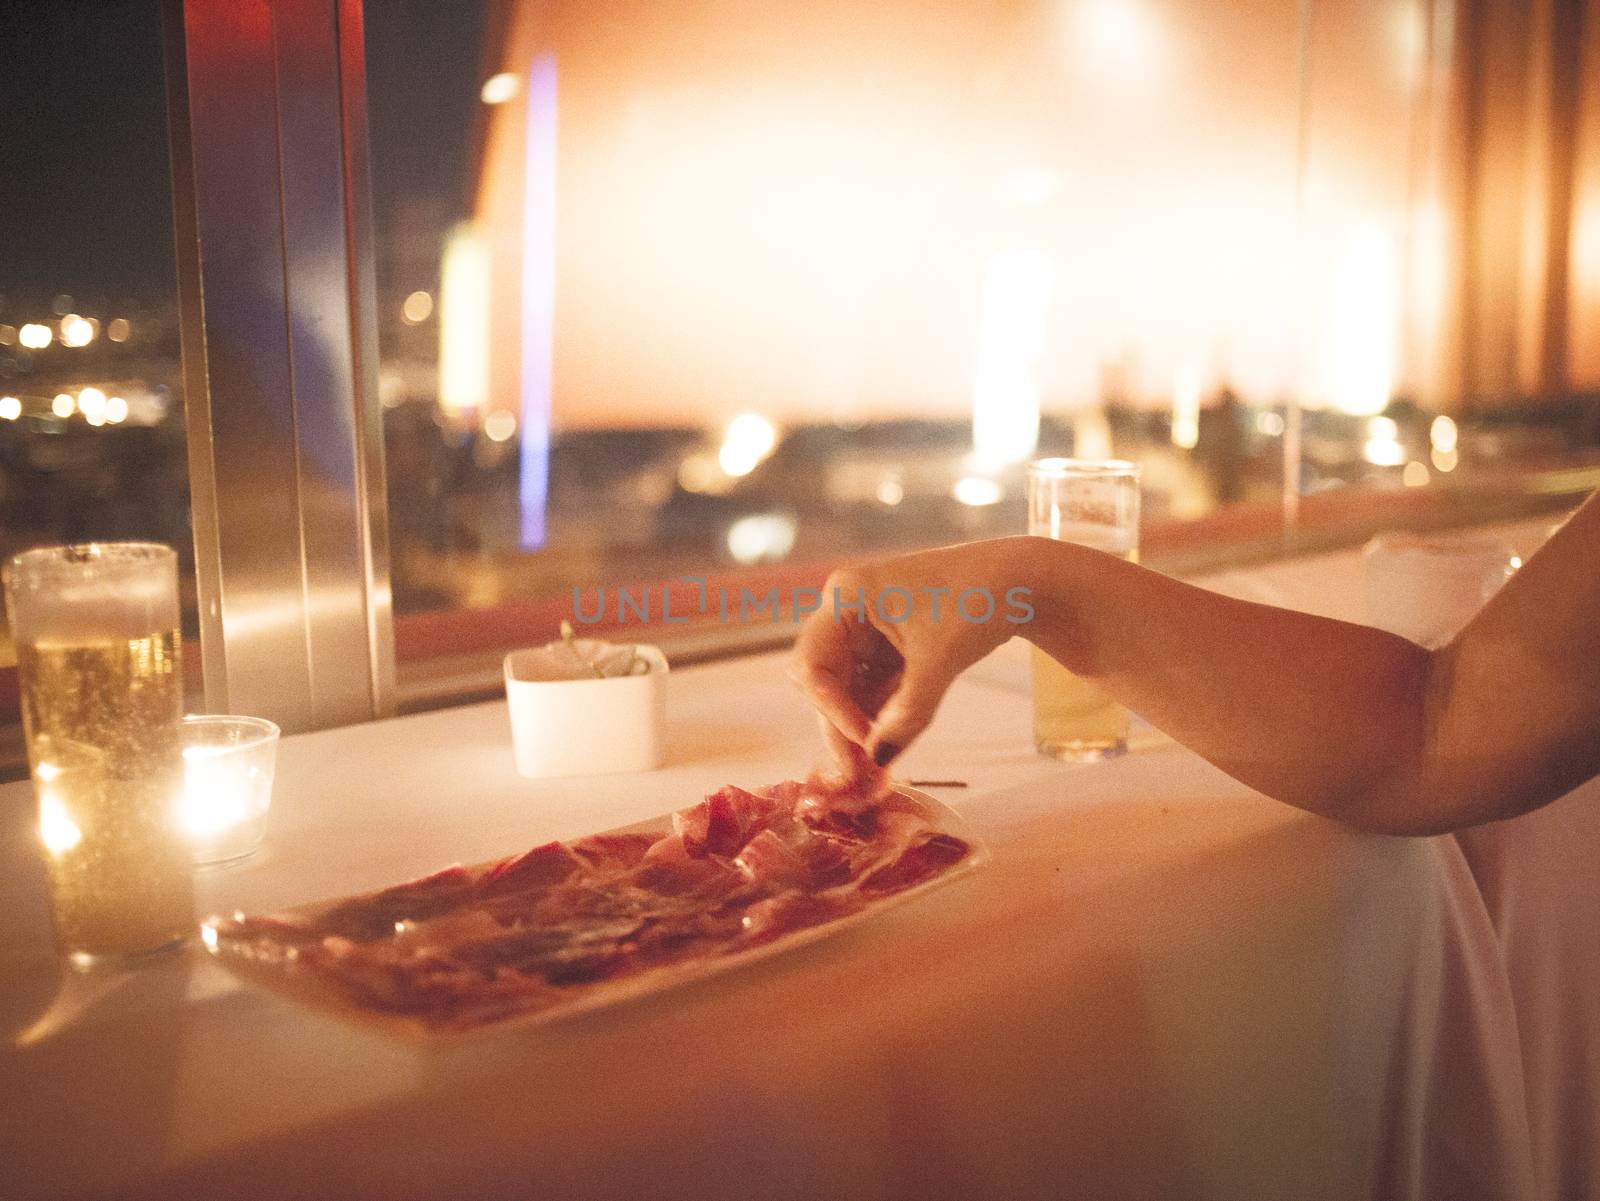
x: 565, y: 724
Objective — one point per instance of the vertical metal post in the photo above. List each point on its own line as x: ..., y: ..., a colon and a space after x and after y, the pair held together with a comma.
x: 361, y: 260
x: 275, y: 283
x: 1293, y: 409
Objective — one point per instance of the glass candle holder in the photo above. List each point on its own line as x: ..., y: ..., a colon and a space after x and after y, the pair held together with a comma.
x: 96, y: 630
x: 1093, y: 503
x: 228, y: 767
x: 1426, y: 587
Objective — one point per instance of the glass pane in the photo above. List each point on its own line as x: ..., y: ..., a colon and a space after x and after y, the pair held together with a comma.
x: 1448, y: 272
x: 1374, y: 275
x: 91, y: 406
x: 714, y: 286
x: 684, y: 287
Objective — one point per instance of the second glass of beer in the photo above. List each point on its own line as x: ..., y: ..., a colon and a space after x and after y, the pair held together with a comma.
x: 96, y: 628
x: 1093, y: 503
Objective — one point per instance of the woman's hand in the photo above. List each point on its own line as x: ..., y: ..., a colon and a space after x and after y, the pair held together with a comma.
x: 880, y: 653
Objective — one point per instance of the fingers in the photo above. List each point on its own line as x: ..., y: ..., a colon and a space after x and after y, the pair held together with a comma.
x: 856, y: 770
x: 851, y: 760
x: 841, y: 748
x: 908, y: 710
x: 824, y: 666
x: 871, y: 691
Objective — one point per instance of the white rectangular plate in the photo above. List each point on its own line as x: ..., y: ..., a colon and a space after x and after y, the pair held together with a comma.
x: 312, y: 990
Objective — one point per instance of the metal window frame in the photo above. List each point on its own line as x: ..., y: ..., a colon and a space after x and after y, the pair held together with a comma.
x: 276, y: 287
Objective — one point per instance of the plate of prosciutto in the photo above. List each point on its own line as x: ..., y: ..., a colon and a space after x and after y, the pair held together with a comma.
x: 572, y: 926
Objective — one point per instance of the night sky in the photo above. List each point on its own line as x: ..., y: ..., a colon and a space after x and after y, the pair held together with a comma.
x: 85, y: 197
x: 424, y: 68
x: 85, y: 194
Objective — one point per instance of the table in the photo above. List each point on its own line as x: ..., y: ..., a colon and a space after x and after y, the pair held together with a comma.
x: 1163, y: 985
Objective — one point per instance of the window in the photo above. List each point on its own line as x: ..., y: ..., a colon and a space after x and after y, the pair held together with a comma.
x: 91, y: 402
x: 736, y: 291
x: 707, y: 287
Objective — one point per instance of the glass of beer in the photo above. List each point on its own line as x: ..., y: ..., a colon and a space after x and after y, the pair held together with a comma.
x: 1094, y: 503
x: 96, y: 628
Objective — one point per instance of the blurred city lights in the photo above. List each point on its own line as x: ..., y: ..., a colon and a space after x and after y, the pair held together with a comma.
x: 418, y: 307
x: 391, y: 386
x: 1018, y: 285
x: 497, y: 89
x: 1186, y: 409
x: 761, y: 537
x: 498, y: 427
x: 890, y: 492
x: 1269, y: 424
x: 1091, y: 434
x: 977, y: 491
x: 1415, y: 474
x: 697, y: 473
x: 1445, y: 460
x: 464, y: 322
x: 1383, y: 454
x: 92, y: 404
x: 116, y: 410
x: 748, y: 439
x: 119, y: 329
x: 35, y: 336
x: 149, y: 408
x: 10, y: 408
x: 62, y: 405
x: 1443, y: 433
x: 1383, y: 447
x: 1360, y: 352
x: 76, y: 331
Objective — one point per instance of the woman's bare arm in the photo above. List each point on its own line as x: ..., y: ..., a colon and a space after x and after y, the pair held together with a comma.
x: 1336, y: 718
x: 1513, y: 709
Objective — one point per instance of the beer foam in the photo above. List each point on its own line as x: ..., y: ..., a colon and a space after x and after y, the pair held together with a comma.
x: 116, y: 600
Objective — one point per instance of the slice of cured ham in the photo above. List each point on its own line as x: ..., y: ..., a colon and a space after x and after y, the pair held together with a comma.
x: 467, y: 946
x: 723, y: 822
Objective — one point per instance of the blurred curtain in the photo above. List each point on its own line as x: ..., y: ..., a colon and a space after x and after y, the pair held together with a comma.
x: 1521, y: 99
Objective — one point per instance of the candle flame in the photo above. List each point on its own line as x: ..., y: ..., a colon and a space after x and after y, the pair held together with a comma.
x: 57, y: 831
x: 216, y: 790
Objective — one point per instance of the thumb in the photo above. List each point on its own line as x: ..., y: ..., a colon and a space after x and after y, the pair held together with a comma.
x: 907, y: 712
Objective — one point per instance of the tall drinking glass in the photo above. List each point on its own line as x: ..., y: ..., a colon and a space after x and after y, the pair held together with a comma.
x: 1426, y: 587
x: 1093, y: 503
x: 96, y: 628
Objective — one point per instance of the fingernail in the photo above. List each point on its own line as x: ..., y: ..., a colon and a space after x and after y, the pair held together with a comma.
x: 885, y: 754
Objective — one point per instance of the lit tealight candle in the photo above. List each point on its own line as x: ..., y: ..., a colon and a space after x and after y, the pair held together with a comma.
x: 228, y: 764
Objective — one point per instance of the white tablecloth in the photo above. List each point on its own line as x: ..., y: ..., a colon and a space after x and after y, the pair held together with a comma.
x: 1539, y: 879
x: 1163, y: 985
